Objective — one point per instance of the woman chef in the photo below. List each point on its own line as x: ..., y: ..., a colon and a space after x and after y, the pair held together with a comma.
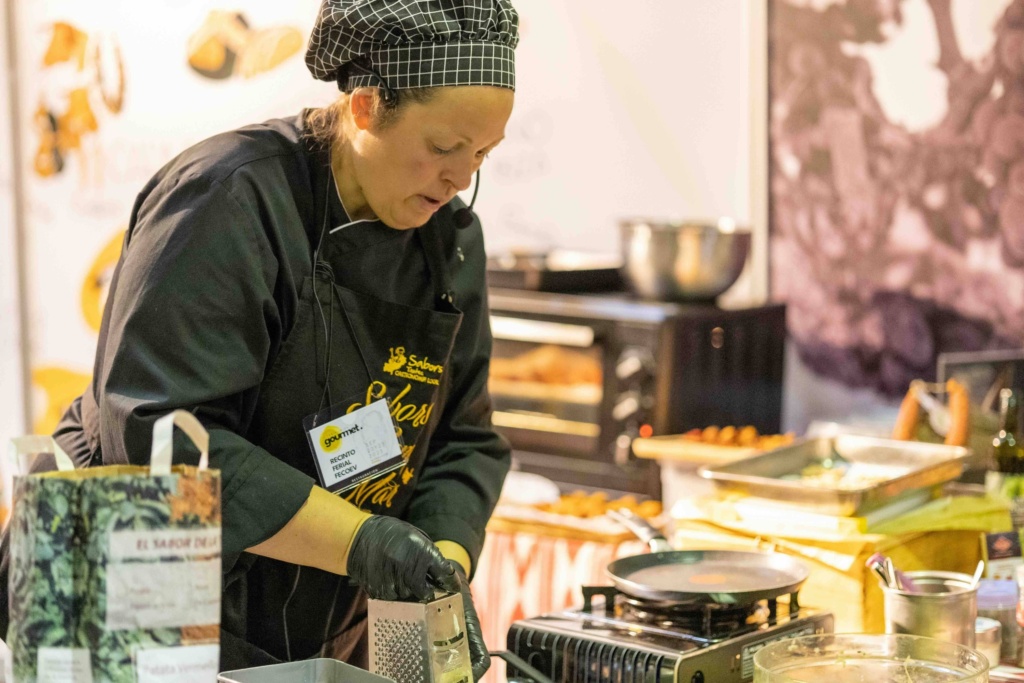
x: 285, y: 276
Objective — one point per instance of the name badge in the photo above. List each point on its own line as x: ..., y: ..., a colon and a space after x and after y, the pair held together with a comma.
x: 352, y: 447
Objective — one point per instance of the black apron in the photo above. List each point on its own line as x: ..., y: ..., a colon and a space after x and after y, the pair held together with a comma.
x: 345, y: 347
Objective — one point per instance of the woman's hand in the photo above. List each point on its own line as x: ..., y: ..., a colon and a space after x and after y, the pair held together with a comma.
x: 393, y: 560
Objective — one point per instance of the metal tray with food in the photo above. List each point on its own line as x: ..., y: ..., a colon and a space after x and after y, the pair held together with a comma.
x: 842, y: 475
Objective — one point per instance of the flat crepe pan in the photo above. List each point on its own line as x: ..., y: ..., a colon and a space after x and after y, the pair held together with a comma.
x: 721, y: 576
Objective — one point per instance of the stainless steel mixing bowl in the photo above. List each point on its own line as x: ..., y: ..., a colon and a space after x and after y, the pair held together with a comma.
x: 682, y: 260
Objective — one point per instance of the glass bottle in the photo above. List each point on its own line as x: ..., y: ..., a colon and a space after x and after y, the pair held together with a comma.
x: 1007, y: 480
x: 1007, y: 450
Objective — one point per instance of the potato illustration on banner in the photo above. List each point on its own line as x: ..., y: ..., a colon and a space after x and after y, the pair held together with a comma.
x: 97, y: 281
x: 82, y: 78
x: 59, y: 387
x: 226, y: 46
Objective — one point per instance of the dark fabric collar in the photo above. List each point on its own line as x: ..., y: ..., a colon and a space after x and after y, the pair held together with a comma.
x: 325, y: 194
x: 360, y: 235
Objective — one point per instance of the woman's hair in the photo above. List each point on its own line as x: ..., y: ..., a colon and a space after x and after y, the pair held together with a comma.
x: 323, y: 125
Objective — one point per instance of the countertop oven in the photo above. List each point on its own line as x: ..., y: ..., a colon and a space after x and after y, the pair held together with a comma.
x: 576, y: 377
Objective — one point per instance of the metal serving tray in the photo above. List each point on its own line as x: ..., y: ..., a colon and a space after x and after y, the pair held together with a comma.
x: 882, y: 471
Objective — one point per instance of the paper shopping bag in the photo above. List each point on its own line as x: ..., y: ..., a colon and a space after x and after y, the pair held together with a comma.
x: 115, y: 571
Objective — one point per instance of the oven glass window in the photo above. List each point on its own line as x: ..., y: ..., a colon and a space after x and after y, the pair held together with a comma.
x: 546, y: 388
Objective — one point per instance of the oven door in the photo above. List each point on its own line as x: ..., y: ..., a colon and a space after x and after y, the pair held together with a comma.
x: 547, y: 384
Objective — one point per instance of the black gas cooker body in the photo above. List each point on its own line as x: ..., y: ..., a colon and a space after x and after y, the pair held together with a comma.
x: 590, y: 645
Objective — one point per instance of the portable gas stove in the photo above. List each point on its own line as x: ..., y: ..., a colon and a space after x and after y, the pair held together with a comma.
x: 628, y: 640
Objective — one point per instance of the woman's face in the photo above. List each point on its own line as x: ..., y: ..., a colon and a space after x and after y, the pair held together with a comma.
x: 406, y: 171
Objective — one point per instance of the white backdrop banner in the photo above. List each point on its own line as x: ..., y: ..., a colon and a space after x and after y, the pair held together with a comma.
x: 611, y: 121
x: 111, y: 91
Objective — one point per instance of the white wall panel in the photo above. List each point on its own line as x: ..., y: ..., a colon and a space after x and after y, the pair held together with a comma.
x: 621, y: 113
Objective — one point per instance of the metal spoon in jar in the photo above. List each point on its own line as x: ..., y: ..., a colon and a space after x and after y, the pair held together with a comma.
x: 977, y: 574
x: 877, y: 564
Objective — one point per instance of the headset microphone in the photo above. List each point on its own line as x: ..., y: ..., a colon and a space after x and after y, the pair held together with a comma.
x: 464, y: 217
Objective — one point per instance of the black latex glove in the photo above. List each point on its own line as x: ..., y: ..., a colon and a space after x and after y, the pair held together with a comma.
x: 479, y: 657
x: 393, y: 560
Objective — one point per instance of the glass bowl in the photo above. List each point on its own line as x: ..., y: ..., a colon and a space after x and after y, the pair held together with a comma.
x: 868, y: 658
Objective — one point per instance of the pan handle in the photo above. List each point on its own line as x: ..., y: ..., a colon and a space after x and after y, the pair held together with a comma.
x: 642, y: 528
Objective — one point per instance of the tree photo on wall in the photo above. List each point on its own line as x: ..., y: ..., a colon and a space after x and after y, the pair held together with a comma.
x: 897, y: 218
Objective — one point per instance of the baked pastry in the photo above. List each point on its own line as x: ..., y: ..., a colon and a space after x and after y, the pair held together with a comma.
x: 548, y: 365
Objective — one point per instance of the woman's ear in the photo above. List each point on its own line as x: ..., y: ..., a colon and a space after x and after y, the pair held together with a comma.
x: 361, y: 104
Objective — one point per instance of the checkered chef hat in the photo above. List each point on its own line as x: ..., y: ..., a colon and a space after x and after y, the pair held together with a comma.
x: 414, y: 43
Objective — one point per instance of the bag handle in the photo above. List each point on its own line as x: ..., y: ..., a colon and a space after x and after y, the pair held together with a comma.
x: 19, y: 448
x: 163, y: 441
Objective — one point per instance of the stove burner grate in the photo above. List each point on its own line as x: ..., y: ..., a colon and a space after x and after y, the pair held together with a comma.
x: 705, y: 619
x: 709, y: 620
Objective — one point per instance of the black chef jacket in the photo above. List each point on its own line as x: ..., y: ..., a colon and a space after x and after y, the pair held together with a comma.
x: 202, y: 301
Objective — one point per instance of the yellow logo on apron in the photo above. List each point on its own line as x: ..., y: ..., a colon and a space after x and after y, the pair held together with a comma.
x: 396, y: 361
x: 330, y: 438
x: 411, y: 367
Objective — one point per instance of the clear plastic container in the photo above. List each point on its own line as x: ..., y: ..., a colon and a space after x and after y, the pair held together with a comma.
x: 988, y: 638
x: 1019, y: 573
x: 997, y: 599
x: 858, y: 657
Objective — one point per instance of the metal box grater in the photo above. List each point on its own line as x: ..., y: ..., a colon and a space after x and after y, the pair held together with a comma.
x: 415, y: 642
